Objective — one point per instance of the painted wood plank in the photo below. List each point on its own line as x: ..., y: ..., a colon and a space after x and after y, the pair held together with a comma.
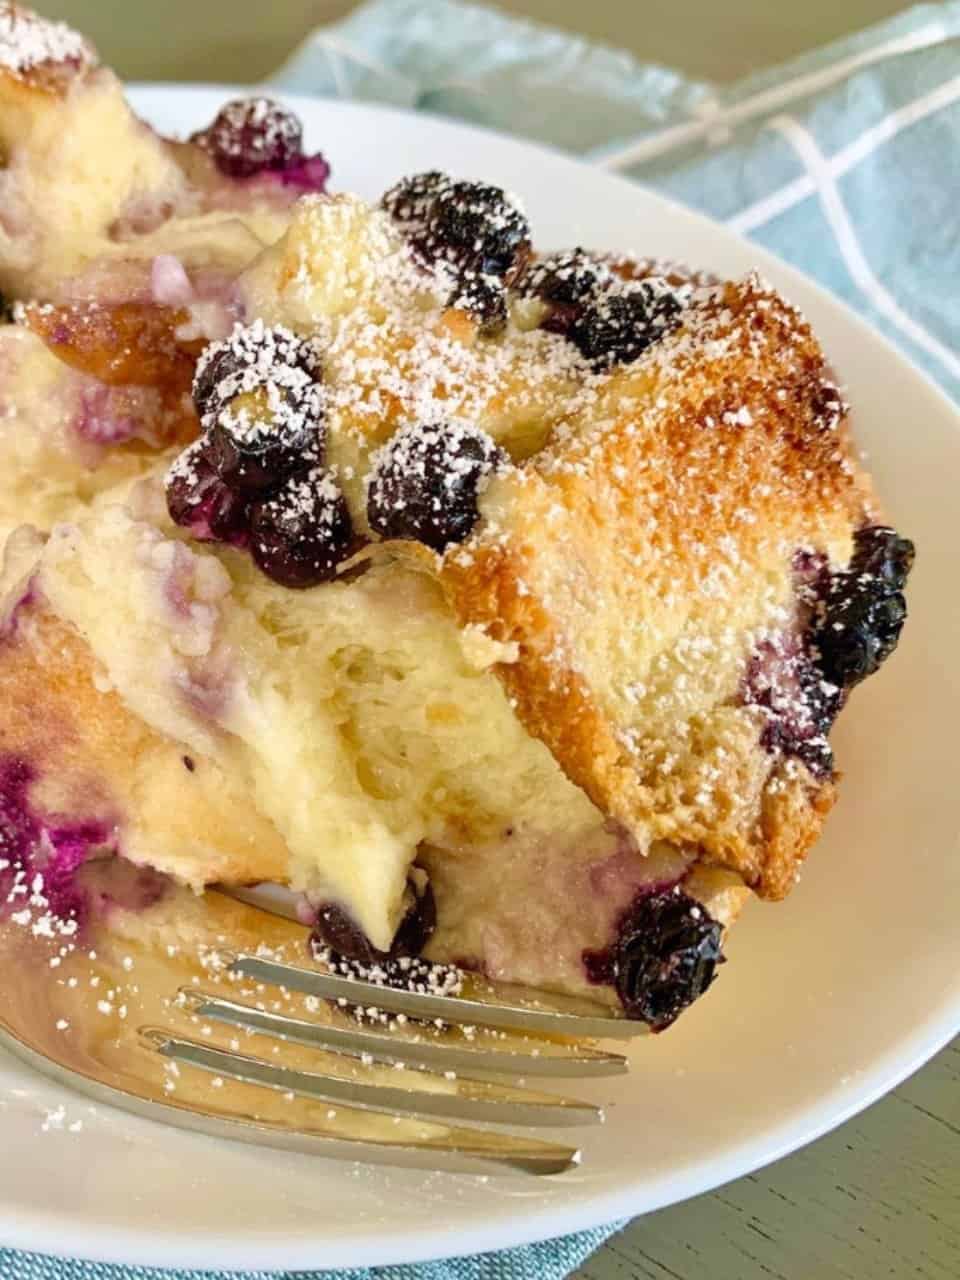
x: 878, y: 1198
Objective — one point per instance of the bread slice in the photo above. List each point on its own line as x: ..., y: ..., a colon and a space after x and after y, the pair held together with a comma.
x: 645, y: 554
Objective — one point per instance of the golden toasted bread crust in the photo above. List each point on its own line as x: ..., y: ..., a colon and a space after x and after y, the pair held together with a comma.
x: 636, y: 562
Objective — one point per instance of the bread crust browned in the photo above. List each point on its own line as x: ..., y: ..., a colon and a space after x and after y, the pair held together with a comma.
x: 701, y: 469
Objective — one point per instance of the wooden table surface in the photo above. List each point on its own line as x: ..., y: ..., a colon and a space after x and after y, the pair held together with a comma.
x: 878, y: 1199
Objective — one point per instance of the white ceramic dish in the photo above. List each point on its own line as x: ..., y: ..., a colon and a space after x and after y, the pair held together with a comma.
x: 830, y: 999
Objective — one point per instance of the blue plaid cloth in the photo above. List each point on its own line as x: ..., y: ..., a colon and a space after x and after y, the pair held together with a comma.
x: 845, y: 162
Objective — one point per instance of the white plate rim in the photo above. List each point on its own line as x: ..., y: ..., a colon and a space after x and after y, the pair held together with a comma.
x: 103, y: 1240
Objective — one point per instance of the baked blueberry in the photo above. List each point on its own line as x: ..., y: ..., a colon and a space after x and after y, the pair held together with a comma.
x: 336, y: 929
x: 409, y: 200
x: 251, y: 461
x: 426, y: 481
x: 568, y: 278
x: 860, y: 624
x: 475, y: 227
x: 665, y: 956
x: 301, y: 533
x: 251, y: 135
x: 258, y: 357
x: 616, y: 327
x: 259, y: 397
x: 485, y: 297
x: 861, y: 609
x: 198, y: 499
x: 882, y: 553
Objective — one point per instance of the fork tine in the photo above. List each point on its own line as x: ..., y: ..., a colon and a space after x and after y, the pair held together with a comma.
x: 548, y: 1016
x: 544, y: 1059
x: 433, y: 1146
x: 466, y: 1099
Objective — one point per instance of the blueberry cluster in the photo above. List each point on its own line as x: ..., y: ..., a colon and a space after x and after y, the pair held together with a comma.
x: 426, y: 481
x: 664, y: 957
x: 852, y: 622
x: 256, y: 478
x: 608, y: 319
x: 473, y: 229
x: 862, y: 609
x: 254, y: 136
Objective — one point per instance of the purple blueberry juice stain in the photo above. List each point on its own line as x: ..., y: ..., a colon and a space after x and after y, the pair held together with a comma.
x: 308, y: 175
x: 64, y: 873
x: 36, y: 850
x: 99, y: 421
x: 11, y: 623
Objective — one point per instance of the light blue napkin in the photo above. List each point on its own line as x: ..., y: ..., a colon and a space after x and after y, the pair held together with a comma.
x: 845, y: 162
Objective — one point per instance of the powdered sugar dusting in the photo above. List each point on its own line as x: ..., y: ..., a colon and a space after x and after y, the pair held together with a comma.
x: 28, y: 41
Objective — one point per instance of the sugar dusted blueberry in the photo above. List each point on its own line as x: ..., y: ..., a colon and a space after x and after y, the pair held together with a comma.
x: 255, y: 462
x: 258, y: 357
x: 615, y: 327
x: 665, y: 957
x: 425, y: 483
x: 476, y: 227
x: 251, y: 135
x: 567, y: 278
x: 338, y: 942
x: 485, y: 298
x: 198, y: 499
x: 302, y: 532
x: 861, y: 609
x: 409, y: 200
x: 260, y: 400
x: 471, y: 233
x: 882, y: 553
x: 859, y: 628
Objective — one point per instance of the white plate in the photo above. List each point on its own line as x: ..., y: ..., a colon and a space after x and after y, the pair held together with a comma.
x: 831, y: 998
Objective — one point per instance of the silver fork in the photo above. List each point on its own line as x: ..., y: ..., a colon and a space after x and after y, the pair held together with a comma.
x: 225, y: 1034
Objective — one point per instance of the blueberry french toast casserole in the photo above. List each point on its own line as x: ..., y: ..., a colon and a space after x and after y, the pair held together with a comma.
x: 498, y: 602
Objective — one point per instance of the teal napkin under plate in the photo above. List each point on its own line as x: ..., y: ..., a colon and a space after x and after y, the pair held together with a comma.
x: 845, y: 162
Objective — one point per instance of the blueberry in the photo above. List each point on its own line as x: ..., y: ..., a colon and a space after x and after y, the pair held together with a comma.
x: 261, y: 404
x: 617, y: 327
x: 253, y: 465
x: 860, y: 625
x: 335, y: 928
x: 861, y: 609
x: 882, y: 553
x: 425, y: 483
x: 828, y: 406
x: 485, y: 297
x: 300, y: 534
x: 217, y: 363
x: 258, y: 357
x: 476, y: 228
x: 409, y: 201
x: 568, y: 278
x: 198, y: 499
x: 665, y: 956
x: 251, y: 135
x: 341, y: 944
